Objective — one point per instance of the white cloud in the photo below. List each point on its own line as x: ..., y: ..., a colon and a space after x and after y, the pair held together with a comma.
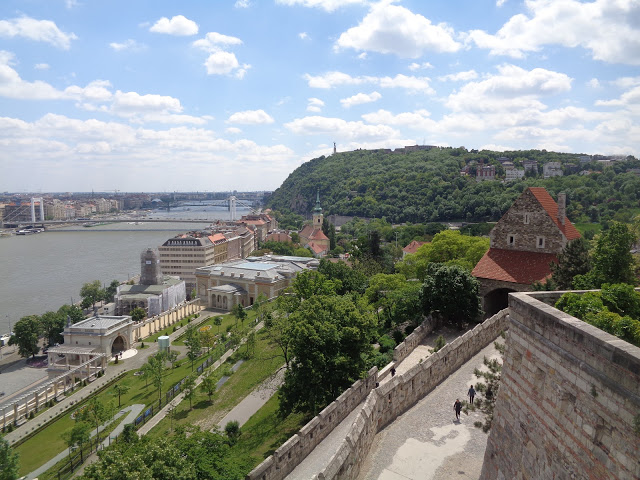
x: 628, y: 98
x: 251, y: 117
x: 394, y: 29
x: 129, y: 44
x: 335, y: 79
x: 221, y: 63
x: 242, y: 4
x: 340, y: 129
x: 593, y: 83
x: 178, y: 25
x: 233, y: 130
x: 303, y: 36
x: 360, y: 98
x: 513, y: 88
x: 37, y: 30
x: 460, y: 76
x: 12, y: 86
x: 41, y: 66
x: 418, y: 119
x: 327, y: 5
x: 362, y: 56
x: 500, y: 3
x: 213, y: 40
x: 608, y: 29
x: 315, y: 105
x: 419, y: 66
x: 626, y: 82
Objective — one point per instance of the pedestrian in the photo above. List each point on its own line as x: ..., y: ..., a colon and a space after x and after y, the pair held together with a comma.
x: 471, y: 393
x: 393, y: 371
x: 457, y: 407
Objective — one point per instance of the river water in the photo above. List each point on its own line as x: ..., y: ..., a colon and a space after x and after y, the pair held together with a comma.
x: 44, y: 271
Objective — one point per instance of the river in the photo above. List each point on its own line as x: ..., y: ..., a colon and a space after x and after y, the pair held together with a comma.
x: 44, y: 271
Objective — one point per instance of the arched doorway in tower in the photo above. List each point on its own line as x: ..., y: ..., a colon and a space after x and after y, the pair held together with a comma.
x: 119, y: 345
x: 496, y: 300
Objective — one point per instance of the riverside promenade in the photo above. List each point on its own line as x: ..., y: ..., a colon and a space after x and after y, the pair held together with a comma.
x: 414, y: 425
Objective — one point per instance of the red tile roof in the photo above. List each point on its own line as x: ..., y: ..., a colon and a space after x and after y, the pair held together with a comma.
x: 318, y: 235
x: 413, y: 246
x: 551, y: 207
x: 514, y: 266
x: 315, y: 248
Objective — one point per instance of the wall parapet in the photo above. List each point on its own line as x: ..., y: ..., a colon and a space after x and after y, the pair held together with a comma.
x: 569, y: 398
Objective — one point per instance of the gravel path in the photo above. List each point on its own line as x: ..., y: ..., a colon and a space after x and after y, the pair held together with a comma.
x: 427, y: 442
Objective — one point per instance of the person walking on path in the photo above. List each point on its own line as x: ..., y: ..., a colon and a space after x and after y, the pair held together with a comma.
x: 472, y: 394
x: 457, y: 407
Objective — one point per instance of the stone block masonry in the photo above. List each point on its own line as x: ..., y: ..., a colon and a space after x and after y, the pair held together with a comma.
x: 569, y: 401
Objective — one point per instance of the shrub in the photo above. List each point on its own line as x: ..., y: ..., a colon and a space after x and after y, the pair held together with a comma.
x: 142, y: 346
x: 386, y: 343
x: 10, y: 428
x: 408, y: 330
x: 175, y: 328
x: 229, y: 327
x: 31, y: 415
x: 232, y: 429
x: 580, y: 305
x: 398, y: 336
x: 440, y: 342
x: 621, y: 298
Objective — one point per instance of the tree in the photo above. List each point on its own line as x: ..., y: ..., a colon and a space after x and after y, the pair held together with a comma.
x: 612, y: 259
x: 52, y: 327
x: 9, y: 461
x: 193, y: 343
x: 573, y: 260
x: 155, y: 370
x: 451, y: 292
x: 78, y: 435
x: 208, y: 339
x: 309, y: 283
x: 120, y: 389
x: 209, y: 385
x: 26, y: 334
x: 218, y: 321
x: 172, y: 356
x: 72, y: 311
x: 352, y: 280
x: 251, y: 343
x: 330, y: 340
x: 111, y: 290
x: 94, y: 412
x: 260, y: 306
x: 129, y: 434
x: 91, y: 293
x: 189, y: 388
x: 137, y: 314
x: 239, y: 312
x: 278, y: 333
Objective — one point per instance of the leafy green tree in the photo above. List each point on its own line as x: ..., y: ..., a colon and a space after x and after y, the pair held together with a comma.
x: 351, y: 280
x: 78, y: 435
x: 172, y: 356
x: 94, y: 412
x: 612, y: 259
x: 137, y: 314
x: 129, y: 434
x: 302, y: 252
x: 580, y: 305
x: 111, y: 290
x: 189, y: 388
x: 26, y: 335
x: 120, y: 389
x: 52, y: 327
x: 295, y: 238
x: 251, y: 343
x: 309, y: 283
x: 209, y: 385
x: 91, y: 294
x: 451, y: 292
x: 9, y: 461
x: 278, y: 332
x: 621, y: 298
x: 330, y: 341
x: 239, y: 312
x: 193, y: 342
x: 218, y: 321
x: 207, y: 339
x: 573, y: 260
x: 72, y: 311
x: 155, y: 371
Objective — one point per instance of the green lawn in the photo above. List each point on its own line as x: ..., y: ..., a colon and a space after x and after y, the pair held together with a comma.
x: 588, y: 227
x: 227, y: 320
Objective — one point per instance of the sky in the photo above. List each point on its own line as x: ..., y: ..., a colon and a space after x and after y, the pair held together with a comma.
x: 201, y: 95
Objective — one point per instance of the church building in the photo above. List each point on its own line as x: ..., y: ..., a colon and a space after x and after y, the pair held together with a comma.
x: 312, y: 236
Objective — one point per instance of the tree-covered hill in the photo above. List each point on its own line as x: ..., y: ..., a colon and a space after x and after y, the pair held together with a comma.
x: 426, y: 186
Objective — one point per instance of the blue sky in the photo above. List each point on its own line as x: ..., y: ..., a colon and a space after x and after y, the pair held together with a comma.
x: 158, y: 95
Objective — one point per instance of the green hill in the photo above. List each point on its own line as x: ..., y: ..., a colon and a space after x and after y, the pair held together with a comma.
x: 426, y: 186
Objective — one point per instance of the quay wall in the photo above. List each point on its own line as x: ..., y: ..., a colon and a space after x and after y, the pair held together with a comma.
x: 569, y: 402
x: 385, y: 403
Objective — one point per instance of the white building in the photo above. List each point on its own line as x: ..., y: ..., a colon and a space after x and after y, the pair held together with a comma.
x: 552, y: 169
x: 512, y: 174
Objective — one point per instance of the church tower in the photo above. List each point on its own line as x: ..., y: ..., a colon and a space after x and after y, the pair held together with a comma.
x: 317, y: 212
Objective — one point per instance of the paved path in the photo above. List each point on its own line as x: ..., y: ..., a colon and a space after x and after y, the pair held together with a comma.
x: 112, y: 371
x: 320, y: 456
x: 427, y: 442
x: 133, y: 411
x: 255, y: 400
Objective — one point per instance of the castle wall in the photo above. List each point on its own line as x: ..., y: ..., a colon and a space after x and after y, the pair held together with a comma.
x: 569, y: 397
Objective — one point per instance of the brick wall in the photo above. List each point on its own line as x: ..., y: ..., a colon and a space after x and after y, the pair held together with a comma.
x: 568, y: 399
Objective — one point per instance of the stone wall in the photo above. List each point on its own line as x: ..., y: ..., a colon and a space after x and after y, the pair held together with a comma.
x: 160, y: 322
x: 569, y: 398
x: 293, y: 451
x: 385, y: 403
x: 416, y: 337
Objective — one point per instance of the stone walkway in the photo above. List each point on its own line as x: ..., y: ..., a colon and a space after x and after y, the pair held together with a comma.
x: 427, y: 442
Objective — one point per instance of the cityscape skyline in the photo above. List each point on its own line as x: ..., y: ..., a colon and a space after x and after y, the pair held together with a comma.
x: 227, y: 96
